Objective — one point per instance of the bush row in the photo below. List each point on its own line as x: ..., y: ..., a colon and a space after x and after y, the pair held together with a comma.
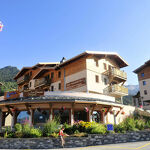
x: 81, y: 128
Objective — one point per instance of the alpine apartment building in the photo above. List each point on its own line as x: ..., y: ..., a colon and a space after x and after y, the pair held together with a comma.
x: 143, y: 73
x: 81, y: 88
x: 90, y: 72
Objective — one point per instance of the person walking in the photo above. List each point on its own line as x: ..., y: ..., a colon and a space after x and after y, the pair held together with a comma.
x: 61, y: 134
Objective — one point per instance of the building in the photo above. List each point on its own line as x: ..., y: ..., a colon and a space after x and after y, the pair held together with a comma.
x: 91, y: 72
x: 143, y: 73
x: 84, y: 87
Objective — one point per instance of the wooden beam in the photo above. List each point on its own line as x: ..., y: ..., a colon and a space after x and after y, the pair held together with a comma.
x: 93, y: 108
x: 109, y: 109
x: 118, y: 112
x: 9, y: 110
x: 28, y: 108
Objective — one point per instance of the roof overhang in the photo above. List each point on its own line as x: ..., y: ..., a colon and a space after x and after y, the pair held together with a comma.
x: 42, y: 71
x: 119, y: 60
x: 21, y: 72
x: 147, y: 63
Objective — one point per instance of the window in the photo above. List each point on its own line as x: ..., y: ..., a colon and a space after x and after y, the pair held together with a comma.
x: 97, y: 78
x: 30, y: 74
x: 52, y: 74
x: 30, y: 84
x: 59, y: 74
x: 96, y: 61
x: 105, y: 81
x: 59, y: 86
x: 144, y: 82
x: 52, y: 88
x: 145, y: 92
x: 110, y: 67
x: 142, y: 74
x: 105, y: 66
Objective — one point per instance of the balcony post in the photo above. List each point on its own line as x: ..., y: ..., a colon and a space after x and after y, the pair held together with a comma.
x: 13, y: 119
x: 31, y: 117
x: 50, y: 112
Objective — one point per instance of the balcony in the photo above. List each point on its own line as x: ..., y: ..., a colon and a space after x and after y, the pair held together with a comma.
x: 116, y: 90
x: 116, y: 75
x: 23, y: 79
x: 42, y: 82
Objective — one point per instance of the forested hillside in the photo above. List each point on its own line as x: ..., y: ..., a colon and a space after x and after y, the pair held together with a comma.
x: 6, y: 77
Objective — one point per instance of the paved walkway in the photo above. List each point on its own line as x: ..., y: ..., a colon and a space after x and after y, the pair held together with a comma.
x: 122, y: 146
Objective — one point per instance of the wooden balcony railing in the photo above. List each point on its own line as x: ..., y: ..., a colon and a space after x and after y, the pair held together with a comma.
x: 23, y: 79
x: 41, y: 82
x: 116, y: 90
x: 114, y: 72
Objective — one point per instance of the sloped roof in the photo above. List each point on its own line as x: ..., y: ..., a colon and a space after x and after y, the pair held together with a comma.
x: 22, y: 71
x: 42, y: 71
x: 120, y: 61
x: 113, y: 55
x: 51, y: 98
x: 147, y: 63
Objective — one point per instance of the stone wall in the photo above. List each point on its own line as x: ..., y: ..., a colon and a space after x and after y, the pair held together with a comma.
x: 94, y: 139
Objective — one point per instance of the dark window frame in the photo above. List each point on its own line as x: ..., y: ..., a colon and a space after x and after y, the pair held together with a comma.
x: 96, y: 78
x: 144, y: 83
x: 145, y: 92
x: 59, y: 74
x: 59, y: 86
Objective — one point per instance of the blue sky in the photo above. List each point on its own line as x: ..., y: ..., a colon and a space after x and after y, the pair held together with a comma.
x: 46, y: 30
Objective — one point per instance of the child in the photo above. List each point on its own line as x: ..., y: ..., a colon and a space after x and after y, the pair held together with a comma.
x: 61, y: 134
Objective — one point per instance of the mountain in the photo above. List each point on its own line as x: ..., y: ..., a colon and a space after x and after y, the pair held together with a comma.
x: 7, y: 74
x: 132, y: 89
x: 6, y: 77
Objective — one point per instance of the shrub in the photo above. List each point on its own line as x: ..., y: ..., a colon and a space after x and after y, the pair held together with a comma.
x: 130, y: 124
x: 26, y: 130
x: 18, y: 127
x: 140, y: 124
x: 120, y: 128
x: 50, y: 127
x: 35, y: 133
x: 55, y: 135
x: 98, y: 129
x: 82, y: 134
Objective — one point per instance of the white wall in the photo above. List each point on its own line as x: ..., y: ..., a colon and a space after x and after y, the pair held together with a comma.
x: 129, y: 110
x: 93, y: 70
x: 145, y: 87
x: 56, y: 86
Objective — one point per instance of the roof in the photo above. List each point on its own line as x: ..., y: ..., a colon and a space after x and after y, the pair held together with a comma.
x: 147, y: 63
x: 42, y: 71
x: 50, y: 64
x: 121, y: 62
x: 62, y: 98
x: 22, y: 71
